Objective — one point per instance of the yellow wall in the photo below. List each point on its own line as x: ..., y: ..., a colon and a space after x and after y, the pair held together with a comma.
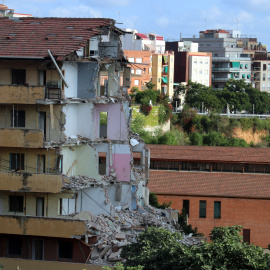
x: 53, y: 133
x: 30, y: 158
x: 51, y: 203
x: 9, y: 264
x: 31, y: 68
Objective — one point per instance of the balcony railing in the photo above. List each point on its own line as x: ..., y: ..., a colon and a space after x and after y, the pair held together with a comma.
x: 54, y: 90
x: 225, y: 69
x: 42, y: 226
x: 24, y: 138
x: 34, y: 182
x: 20, y: 94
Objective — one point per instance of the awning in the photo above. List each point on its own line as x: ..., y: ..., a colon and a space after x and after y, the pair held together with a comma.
x: 241, y: 66
x: 164, y: 79
x: 246, y: 65
x: 166, y: 69
x: 150, y: 47
x: 165, y: 59
x: 248, y: 76
x: 235, y: 64
x: 141, y: 36
x: 243, y: 75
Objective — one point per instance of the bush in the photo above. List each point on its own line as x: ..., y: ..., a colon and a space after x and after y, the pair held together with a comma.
x: 164, y: 112
x: 145, y: 109
x: 196, y: 139
x: 144, y: 97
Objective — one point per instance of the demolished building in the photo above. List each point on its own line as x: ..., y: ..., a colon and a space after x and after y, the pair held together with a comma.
x: 66, y: 147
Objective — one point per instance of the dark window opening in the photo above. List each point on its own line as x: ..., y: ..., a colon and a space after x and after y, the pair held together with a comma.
x: 202, y: 213
x: 137, y: 159
x: 186, y: 207
x: 18, y: 76
x: 102, y: 163
x: 217, y: 209
x: 16, y: 161
x: 103, y: 124
x: 41, y: 163
x: 38, y: 249
x: 40, y: 206
x: 65, y: 250
x: 14, y: 246
x: 17, y: 118
x: 246, y: 235
x: 16, y: 203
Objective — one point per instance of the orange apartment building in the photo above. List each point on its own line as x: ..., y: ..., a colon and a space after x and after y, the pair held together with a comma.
x: 217, y: 186
x: 140, y: 63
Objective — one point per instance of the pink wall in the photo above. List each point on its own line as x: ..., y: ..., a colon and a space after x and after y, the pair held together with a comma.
x: 117, y: 127
x: 121, y: 164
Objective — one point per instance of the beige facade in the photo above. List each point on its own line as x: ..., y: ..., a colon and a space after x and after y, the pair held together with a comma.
x: 261, y: 75
x: 163, y: 72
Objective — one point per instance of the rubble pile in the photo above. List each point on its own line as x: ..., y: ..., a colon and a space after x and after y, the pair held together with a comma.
x: 79, y: 182
x: 122, y: 228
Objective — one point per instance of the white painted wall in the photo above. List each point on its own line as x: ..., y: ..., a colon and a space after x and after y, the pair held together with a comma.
x: 199, y: 69
x: 71, y: 76
x: 70, y: 110
x: 86, y: 120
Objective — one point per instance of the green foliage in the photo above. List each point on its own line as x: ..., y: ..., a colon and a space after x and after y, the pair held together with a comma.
x: 120, y: 266
x: 138, y: 123
x: 144, y: 97
x: 103, y: 118
x: 153, y: 200
x: 187, y: 228
x: 161, y: 250
x: 236, y: 96
x: 165, y: 112
x: 196, y: 138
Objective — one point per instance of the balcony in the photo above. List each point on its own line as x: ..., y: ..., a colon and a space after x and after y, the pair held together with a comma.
x: 33, y: 182
x: 225, y: 69
x: 19, y: 94
x: 42, y: 226
x: 21, y: 138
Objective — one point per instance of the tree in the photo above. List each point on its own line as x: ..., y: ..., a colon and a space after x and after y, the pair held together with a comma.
x: 161, y: 249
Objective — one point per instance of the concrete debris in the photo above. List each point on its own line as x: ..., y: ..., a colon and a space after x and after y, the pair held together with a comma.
x: 80, y: 182
x: 122, y: 228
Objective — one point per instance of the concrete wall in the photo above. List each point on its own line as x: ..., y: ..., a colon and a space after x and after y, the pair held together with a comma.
x: 117, y: 126
x: 87, y: 79
x: 71, y: 76
x: 79, y: 120
x: 253, y: 214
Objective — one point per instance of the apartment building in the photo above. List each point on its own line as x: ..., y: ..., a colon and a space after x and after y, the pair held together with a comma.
x: 66, y: 147
x: 216, y: 186
x: 261, y: 75
x: 190, y: 64
x: 140, y: 63
x: 229, y: 61
x: 163, y: 72
x: 135, y: 41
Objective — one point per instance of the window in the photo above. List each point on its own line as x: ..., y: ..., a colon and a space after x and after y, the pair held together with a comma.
x: 263, y: 76
x: 132, y: 71
x: 103, y: 124
x: 138, y: 71
x: 201, y: 62
x: 138, y: 60
x: 16, y: 161
x: 263, y: 87
x: 195, y: 71
x: 171, y: 59
x: 16, y: 203
x: 208, y: 45
x: 18, y: 76
x: 202, y: 213
x: 268, y: 87
x: 195, y: 61
x: 186, y: 207
x: 131, y: 59
x: 206, y: 62
x: 65, y: 250
x: 67, y: 206
x: 38, y: 247
x: 200, y: 71
x: 102, y: 163
x: 268, y: 67
x: 40, y: 163
x: 17, y: 118
x: 136, y: 82
x: 217, y: 209
x: 159, y: 80
x: 206, y: 71
x: 14, y: 246
x: 268, y: 76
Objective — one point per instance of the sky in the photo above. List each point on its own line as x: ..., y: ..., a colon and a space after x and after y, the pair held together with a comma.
x: 167, y: 18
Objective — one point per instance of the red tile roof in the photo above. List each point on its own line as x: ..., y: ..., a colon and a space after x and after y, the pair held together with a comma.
x: 142, y: 36
x: 32, y: 37
x: 210, y: 154
x: 210, y: 184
